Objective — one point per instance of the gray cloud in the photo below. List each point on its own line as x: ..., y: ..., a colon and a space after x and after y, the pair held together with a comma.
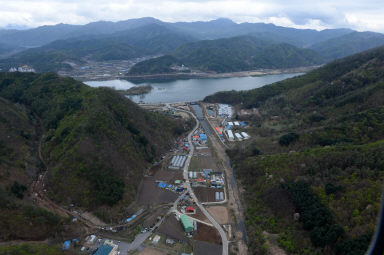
x: 359, y: 15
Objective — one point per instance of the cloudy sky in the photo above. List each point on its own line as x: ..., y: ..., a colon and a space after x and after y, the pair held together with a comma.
x: 359, y: 15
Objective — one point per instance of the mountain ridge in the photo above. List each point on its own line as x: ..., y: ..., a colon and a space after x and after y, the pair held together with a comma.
x: 316, y: 150
x: 231, y: 55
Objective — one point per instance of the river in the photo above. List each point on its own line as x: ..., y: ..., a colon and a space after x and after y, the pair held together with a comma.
x: 192, y: 89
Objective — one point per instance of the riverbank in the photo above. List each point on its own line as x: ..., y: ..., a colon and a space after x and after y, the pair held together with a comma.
x: 202, y: 75
x: 197, y: 75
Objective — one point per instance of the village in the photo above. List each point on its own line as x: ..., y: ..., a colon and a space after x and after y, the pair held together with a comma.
x: 182, y: 206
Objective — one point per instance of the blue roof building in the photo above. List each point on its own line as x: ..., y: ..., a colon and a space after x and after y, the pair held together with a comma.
x: 104, y: 250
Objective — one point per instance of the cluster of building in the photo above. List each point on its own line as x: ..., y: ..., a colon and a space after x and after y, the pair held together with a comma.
x: 207, y: 178
x: 224, y: 110
x: 22, y: 69
x: 178, y: 186
x: 96, y: 246
x: 200, y: 139
x: 239, y: 136
x: 181, y: 68
x: 231, y: 127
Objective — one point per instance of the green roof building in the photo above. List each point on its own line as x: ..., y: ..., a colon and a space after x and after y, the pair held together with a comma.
x: 187, y: 223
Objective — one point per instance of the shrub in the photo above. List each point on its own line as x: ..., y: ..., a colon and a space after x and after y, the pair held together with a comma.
x: 18, y: 189
x: 332, y: 189
x: 287, y: 139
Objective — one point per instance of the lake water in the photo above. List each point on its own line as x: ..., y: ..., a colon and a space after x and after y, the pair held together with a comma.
x: 192, y: 89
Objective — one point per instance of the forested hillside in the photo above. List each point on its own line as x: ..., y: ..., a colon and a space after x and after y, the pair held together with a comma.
x: 317, y: 150
x: 19, y: 165
x: 348, y: 44
x: 137, y: 42
x: 236, y: 54
x: 96, y: 142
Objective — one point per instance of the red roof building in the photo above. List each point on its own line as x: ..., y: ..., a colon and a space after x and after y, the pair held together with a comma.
x: 190, y: 209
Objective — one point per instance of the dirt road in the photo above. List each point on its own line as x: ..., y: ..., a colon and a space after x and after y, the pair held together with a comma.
x: 234, y: 200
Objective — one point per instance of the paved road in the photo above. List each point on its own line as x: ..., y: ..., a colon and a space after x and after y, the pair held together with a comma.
x: 220, y: 148
x: 189, y: 188
x: 140, y: 238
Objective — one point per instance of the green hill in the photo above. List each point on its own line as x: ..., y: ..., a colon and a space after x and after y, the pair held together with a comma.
x: 19, y: 165
x: 155, y: 66
x: 96, y: 142
x: 235, y: 54
x: 122, y: 45
x: 55, y: 56
x: 348, y: 44
x: 316, y: 149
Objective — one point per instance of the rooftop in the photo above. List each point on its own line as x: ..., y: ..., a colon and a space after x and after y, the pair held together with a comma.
x: 104, y: 250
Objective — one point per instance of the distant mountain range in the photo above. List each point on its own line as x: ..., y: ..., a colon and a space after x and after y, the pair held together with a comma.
x: 52, y: 46
x: 137, y: 42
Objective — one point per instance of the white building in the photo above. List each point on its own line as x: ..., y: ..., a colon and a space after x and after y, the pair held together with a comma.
x: 245, y: 135
x: 230, y: 135
x: 22, y: 69
x: 238, y: 136
x: 224, y: 110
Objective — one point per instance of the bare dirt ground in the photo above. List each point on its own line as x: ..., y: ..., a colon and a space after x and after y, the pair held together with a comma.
x: 153, y: 170
x: 172, y: 228
x: 271, y: 241
x: 205, y: 194
x: 150, y: 194
x: 200, y: 162
x: 168, y: 175
x: 92, y: 218
x: 200, y: 215
x: 152, y: 219
x: 204, y: 248
x: 207, y: 234
x: 151, y: 251
x: 219, y: 213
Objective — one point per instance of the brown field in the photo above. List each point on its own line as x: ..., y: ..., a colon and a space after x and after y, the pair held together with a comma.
x: 168, y: 175
x: 219, y: 213
x: 151, y: 251
x: 152, y: 219
x: 150, y: 194
x: 206, y: 194
x: 199, y: 215
x: 206, y: 233
x: 172, y: 228
x: 200, y: 163
x: 154, y: 169
x: 204, y: 248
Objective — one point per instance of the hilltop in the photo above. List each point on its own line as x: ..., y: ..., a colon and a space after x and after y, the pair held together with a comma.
x: 231, y: 55
x: 316, y: 150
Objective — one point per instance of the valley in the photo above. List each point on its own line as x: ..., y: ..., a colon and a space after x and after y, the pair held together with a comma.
x: 145, y: 136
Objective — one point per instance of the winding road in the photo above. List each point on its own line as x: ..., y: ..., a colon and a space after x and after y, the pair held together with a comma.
x: 222, y: 233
